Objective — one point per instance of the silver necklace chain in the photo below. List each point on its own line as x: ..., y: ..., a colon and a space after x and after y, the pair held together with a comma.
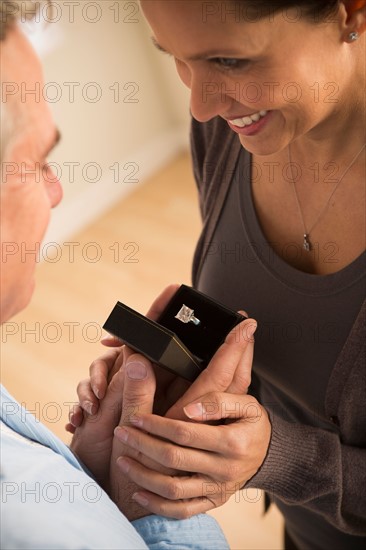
x: 307, y: 243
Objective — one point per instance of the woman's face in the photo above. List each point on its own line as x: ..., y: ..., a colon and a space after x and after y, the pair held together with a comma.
x: 273, y: 80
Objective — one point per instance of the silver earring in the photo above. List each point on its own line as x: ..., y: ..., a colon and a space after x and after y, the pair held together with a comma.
x: 353, y: 36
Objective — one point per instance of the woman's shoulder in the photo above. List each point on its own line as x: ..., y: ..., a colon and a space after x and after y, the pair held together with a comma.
x: 214, y: 131
x: 212, y: 144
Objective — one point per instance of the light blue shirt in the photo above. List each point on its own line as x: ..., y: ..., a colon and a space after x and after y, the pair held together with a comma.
x: 48, y: 501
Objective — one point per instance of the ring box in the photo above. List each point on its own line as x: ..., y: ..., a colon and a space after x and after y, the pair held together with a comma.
x: 181, y: 341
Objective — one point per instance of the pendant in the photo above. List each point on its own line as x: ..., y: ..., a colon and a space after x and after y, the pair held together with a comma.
x: 306, y: 244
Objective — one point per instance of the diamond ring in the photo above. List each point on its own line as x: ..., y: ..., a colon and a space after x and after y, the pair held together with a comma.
x: 186, y: 315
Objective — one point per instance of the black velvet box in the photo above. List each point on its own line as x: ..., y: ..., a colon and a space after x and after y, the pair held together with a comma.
x: 184, y: 338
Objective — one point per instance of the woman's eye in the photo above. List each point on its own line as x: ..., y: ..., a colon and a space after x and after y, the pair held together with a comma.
x: 229, y: 63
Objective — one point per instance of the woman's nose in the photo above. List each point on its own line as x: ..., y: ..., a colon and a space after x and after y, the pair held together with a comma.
x: 208, y: 99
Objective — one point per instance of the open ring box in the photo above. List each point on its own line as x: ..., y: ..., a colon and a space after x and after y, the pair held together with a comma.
x: 184, y: 338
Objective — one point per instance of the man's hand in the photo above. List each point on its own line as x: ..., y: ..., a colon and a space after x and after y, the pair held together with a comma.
x: 138, y: 398
x: 92, y: 440
x: 130, y: 393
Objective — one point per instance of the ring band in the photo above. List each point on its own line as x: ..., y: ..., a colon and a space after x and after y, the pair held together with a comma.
x: 186, y: 315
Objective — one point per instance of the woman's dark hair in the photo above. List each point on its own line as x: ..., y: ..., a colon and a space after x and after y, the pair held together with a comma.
x: 316, y: 10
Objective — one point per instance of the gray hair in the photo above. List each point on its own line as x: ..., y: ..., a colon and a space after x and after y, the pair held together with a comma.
x: 13, y: 10
x: 10, y: 12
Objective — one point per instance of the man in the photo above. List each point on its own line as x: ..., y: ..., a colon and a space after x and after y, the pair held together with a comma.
x: 49, y: 498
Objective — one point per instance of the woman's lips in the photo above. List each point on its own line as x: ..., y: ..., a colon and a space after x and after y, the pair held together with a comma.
x: 254, y: 127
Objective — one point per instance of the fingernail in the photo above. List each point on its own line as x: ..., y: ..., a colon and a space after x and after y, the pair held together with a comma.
x: 136, y: 370
x: 243, y: 313
x: 88, y: 406
x: 95, y: 391
x: 123, y: 464
x: 194, y: 410
x: 121, y: 434
x: 250, y: 330
x: 72, y: 419
x: 140, y: 499
x: 109, y: 338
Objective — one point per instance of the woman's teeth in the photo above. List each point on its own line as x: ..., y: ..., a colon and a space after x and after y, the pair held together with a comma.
x: 248, y: 120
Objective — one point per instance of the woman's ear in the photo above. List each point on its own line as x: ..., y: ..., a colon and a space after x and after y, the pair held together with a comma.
x: 356, y: 17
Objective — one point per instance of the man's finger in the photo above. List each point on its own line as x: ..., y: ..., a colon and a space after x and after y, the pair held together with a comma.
x: 99, y: 371
x: 138, y: 398
x: 139, y: 388
x: 76, y: 416
x: 87, y: 399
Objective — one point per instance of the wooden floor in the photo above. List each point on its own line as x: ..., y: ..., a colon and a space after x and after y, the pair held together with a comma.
x: 130, y: 254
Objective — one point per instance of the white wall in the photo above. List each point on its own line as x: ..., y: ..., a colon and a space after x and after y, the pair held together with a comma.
x: 117, y: 103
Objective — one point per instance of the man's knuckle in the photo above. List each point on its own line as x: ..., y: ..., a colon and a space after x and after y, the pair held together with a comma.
x: 82, y: 385
x: 94, y: 366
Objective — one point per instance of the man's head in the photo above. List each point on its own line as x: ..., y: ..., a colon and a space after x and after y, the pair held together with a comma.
x: 28, y: 188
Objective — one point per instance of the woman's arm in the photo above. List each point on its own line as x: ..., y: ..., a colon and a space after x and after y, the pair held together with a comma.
x: 299, y: 464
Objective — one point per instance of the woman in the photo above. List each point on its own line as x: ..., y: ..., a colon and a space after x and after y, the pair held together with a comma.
x: 278, y: 144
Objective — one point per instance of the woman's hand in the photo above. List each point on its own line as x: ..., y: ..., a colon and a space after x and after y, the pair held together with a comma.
x: 222, y: 458
x: 229, y: 370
